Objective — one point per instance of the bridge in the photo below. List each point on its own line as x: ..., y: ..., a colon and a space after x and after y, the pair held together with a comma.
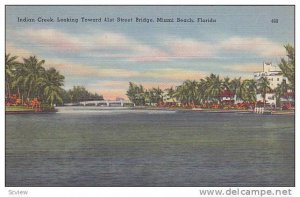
x: 106, y: 103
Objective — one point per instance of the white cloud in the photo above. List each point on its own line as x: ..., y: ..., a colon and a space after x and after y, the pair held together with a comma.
x: 109, y: 40
x: 260, y: 46
x: 246, y: 68
x: 127, y: 48
x: 174, y: 74
x: 82, y: 70
x: 52, y: 39
x: 190, y: 48
x: 122, y: 47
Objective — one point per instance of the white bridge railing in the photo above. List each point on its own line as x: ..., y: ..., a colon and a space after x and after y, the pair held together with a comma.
x: 107, y: 103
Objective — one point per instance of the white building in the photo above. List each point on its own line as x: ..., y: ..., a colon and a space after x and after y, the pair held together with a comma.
x: 275, y: 77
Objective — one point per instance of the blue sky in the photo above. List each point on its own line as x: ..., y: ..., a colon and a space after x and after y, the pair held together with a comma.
x: 104, y: 57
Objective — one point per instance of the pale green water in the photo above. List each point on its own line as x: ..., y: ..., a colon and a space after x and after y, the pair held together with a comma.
x: 149, y: 148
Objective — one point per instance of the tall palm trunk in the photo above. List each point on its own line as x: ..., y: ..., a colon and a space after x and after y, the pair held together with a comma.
x: 19, y: 94
x: 264, y: 100
x: 29, y: 91
x: 8, y: 88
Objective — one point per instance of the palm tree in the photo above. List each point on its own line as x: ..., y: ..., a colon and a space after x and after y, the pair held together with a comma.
x: 141, y: 95
x: 131, y: 92
x: 202, y: 86
x: 226, y: 83
x: 288, y: 66
x: 158, y: 94
x: 214, y: 87
x: 151, y: 94
x: 263, y: 87
x: 148, y: 100
x: 33, y: 72
x: 190, y: 88
x: 248, y: 91
x: 280, y: 91
x: 10, y: 67
x: 136, y: 94
x: 18, y: 80
x: 51, y: 84
x: 181, y: 93
x: 235, y: 86
x: 170, y: 93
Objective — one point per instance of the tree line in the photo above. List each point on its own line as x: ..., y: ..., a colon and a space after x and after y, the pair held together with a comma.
x: 210, y: 88
x: 79, y: 93
x: 29, y: 79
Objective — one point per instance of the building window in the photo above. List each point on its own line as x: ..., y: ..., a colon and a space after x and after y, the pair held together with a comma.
x: 277, y: 79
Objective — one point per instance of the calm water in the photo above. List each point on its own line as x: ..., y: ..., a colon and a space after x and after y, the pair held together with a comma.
x: 149, y: 148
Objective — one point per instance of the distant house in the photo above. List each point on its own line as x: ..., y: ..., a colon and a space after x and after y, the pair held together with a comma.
x: 170, y: 101
x: 227, y: 97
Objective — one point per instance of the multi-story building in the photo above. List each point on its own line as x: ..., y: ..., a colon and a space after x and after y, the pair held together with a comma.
x: 275, y: 77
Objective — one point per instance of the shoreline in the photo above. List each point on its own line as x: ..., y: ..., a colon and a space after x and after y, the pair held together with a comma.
x: 30, y: 112
x: 196, y: 110
x: 27, y: 110
x: 240, y: 111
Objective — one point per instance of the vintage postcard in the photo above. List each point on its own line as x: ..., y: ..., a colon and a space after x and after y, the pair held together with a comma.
x: 149, y: 96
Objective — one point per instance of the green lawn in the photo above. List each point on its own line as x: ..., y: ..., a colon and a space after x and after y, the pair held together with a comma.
x: 17, y: 108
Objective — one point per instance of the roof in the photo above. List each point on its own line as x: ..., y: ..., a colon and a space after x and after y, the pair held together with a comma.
x: 226, y: 93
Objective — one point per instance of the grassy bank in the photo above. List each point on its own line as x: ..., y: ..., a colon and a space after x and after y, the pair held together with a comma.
x: 18, y: 109
x: 23, y: 109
